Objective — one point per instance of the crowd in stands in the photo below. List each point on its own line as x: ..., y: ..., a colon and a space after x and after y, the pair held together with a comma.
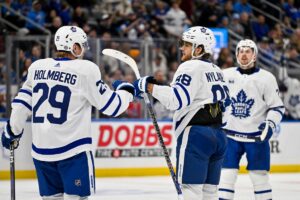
x: 155, y: 20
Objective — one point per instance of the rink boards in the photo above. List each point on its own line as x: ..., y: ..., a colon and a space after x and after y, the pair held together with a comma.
x: 125, y: 147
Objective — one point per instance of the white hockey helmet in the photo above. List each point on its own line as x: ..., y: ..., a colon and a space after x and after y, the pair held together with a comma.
x: 199, y: 35
x: 66, y: 36
x: 247, y: 43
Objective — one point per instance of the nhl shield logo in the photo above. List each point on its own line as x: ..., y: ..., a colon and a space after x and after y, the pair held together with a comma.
x: 77, y: 182
x: 241, y: 105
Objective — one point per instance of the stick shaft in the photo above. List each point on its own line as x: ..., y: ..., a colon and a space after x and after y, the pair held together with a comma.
x: 12, y: 172
x: 162, y: 144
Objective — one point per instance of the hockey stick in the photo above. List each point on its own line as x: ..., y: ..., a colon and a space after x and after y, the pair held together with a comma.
x: 129, y: 61
x: 249, y: 138
x: 12, y: 171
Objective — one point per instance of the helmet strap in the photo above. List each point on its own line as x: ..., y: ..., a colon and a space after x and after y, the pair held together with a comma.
x: 193, y: 52
x: 81, y: 53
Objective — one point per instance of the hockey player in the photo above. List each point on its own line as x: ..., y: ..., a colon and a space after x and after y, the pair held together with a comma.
x: 255, y: 106
x: 291, y: 94
x: 59, y: 94
x: 195, y: 94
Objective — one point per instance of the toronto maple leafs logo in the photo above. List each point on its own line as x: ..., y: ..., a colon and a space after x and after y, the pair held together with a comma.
x: 294, y: 100
x: 241, y: 105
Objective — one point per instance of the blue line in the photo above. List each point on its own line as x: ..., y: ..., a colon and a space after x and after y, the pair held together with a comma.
x: 186, y: 93
x: 23, y: 102
x: 62, y: 149
x: 26, y: 92
x: 178, y: 97
x: 109, y: 102
x: 118, y: 107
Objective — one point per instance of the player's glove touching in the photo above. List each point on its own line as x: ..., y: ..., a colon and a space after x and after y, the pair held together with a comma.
x: 123, y: 85
x: 267, y: 128
x: 8, y: 137
x: 141, y: 85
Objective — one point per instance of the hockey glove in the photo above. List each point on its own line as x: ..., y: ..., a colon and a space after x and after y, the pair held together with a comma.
x: 267, y: 128
x: 8, y: 137
x: 123, y: 85
x: 141, y: 84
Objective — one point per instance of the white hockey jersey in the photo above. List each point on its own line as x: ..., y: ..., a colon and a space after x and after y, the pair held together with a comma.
x: 292, y: 97
x: 254, y: 99
x: 59, y: 95
x: 195, y: 84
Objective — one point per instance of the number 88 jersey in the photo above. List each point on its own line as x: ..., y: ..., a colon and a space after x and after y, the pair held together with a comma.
x: 59, y: 93
x: 195, y: 83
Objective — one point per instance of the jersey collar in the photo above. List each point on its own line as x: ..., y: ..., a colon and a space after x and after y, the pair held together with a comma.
x: 248, y: 71
x: 62, y: 59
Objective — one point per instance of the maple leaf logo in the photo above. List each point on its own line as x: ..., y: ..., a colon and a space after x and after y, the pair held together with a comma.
x: 241, y: 105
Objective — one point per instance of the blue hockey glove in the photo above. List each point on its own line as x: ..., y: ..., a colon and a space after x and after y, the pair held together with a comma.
x: 267, y: 128
x: 123, y: 85
x: 141, y: 84
x: 8, y: 137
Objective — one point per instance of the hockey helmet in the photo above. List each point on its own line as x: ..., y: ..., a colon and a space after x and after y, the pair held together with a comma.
x: 199, y: 35
x: 66, y: 36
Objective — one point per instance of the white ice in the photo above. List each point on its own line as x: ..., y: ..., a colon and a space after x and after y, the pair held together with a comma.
x: 285, y: 187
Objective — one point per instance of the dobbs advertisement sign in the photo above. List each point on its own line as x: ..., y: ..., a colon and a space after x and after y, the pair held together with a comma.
x: 120, y: 140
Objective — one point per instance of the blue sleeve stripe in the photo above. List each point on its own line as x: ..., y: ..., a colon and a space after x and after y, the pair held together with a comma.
x: 186, y: 93
x: 262, y: 192
x: 108, y: 103
x: 63, y: 149
x: 118, y: 107
x: 22, y: 102
x: 26, y: 92
x: 179, y: 99
x: 226, y: 190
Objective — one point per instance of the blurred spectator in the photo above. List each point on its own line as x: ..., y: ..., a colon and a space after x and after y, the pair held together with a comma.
x: 260, y: 28
x: 160, y: 61
x: 294, y: 39
x: 36, y: 52
x: 175, y: 20
x: 245, y: 22
x: 106, y: 24
x: 210, y: 14
x: 161, y: 9
x: 65, y: 13
x: 223, y: 55
x: 292, y: 11
x: 228, y: 63
x: 227, y: 10
x: 241, y: 6
x: 56, y: 23
x: 224, y: 22
x: 236, y: 26
x: 188, y: 7
x: 79, y: 16
x: 37, y: 15
x: 266, y: 51
x: 26, y: 66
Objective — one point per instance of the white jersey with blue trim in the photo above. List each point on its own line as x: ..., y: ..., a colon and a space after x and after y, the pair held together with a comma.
x: 59, y: 95
x: 292, y: 97
x: 254, y: 99
x: 195, y: 83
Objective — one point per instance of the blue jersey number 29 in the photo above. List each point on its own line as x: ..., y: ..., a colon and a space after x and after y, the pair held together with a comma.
x: 50, y: 94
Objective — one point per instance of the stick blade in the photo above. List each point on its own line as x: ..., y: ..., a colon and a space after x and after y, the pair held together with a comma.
x: 123, y: 57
